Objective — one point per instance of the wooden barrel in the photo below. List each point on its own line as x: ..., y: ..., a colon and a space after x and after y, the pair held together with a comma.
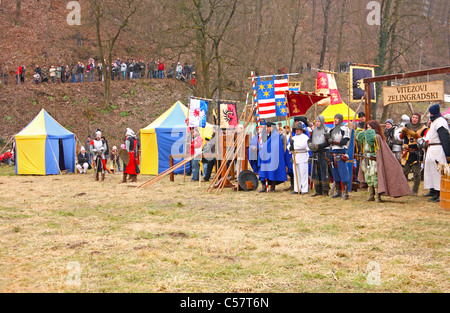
x: 445, y: 193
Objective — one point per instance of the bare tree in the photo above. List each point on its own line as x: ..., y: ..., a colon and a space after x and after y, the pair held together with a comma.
x: 18, y: 8
x: 110, y: 17
x: 326, y: 10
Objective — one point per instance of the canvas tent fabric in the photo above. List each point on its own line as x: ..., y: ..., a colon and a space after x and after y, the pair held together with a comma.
x: 166, y: 136
x: 44, y: 147
x: 342, y: 108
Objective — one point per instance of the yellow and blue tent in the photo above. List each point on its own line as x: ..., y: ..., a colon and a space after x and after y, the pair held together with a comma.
x: 333, y: 109
x: 44, y: 147
x: 166, y: 136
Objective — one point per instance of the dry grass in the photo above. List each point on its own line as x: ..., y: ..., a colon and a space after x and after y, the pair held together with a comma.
x: 176, y: 237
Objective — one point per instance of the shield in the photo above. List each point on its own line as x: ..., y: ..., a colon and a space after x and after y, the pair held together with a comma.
x: 248, y: 180
x: 124, y: 156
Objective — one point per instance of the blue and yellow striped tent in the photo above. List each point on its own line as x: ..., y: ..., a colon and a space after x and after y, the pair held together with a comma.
x: 166, y: 136
x: 44, y: 147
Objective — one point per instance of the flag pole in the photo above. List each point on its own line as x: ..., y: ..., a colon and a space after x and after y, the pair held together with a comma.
x: 348, y: 98
x: 185, y: 146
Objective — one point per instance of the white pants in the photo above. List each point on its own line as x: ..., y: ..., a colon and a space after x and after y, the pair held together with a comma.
x: 302, y: 173
x: 82, y: 169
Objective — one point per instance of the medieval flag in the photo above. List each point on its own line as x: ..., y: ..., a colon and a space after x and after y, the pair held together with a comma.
x: 198, y: 109
x: 281, y: 86
x: 326, y: 84
x: 357, y: 74
x: 228, y: 118
x: 300, y: 102
x: 270, y: 97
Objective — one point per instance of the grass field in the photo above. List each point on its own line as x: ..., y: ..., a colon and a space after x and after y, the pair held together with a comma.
x: 68, y: 233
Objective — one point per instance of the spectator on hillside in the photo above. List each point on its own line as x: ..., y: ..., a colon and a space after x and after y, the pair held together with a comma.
x: 90, y: 68
x: 114, y: 71
x: 66, y: 74
x: 142, y: 68
x: 1, y: 74
x: 44, y: 75
x: 179, y: 70
x: 137, y: 70
x: 6, y: 73
x: 100, y: 71
x: 73, y: 73
x: 151, y: 66
x: 123, y: 69
x: 80, y: 71
x: 18, y: 74
x: 38, y: 69
x: 52, y: 73
x: 160, y: 69
x: 58, y: 73
x: 36, y: 78
x: 130, y: 69
x: 79, y: 37
x: 170, y: 72
x: 22, y: 75
x: 187, y: 71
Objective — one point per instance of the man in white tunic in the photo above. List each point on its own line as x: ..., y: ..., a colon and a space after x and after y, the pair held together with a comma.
x: 438, y: 148
x: 298, y: 147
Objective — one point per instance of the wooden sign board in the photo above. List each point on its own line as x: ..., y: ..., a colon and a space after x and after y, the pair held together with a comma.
x: 419, y: 92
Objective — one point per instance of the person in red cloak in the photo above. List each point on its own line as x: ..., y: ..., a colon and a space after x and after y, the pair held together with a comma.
x: 132, y: 146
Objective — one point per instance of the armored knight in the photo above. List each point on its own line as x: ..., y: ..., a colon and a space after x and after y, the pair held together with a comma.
x: 318, y: 144
x: 397, y: 146
x: 412, y: 154
x: 339, y: 138
x: 98, y: 148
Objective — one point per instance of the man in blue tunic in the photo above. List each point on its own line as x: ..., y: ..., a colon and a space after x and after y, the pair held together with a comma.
x: 272, y: 163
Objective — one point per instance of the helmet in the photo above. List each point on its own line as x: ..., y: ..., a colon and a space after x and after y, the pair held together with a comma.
x: 405, y: 119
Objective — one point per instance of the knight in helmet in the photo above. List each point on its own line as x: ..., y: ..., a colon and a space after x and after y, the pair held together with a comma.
x: 339, y: 138
x: 97, y: 149
x: 397, y: 145
x: 132, y: 146
x: 318, y: 144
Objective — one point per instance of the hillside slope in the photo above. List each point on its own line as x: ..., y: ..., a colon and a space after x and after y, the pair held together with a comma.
x: 78, y: 107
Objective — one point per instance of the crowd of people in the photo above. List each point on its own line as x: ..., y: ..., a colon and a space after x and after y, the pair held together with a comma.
x: 98, y: 153
x: 313, y: 156
x: 78, y: 72
x: 316, y: 156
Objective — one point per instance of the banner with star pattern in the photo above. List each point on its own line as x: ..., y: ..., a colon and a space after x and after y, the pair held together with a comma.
x: 271, y: 97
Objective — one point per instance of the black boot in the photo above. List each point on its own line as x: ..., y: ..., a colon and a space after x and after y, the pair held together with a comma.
x: 344, y: 191
x: 430, y: 193
x: 272, y: 187
x: 338, y: 192
x: 318, y: 189
x: 325, y: 189
x: 264, y: 189
x: 436, y: 196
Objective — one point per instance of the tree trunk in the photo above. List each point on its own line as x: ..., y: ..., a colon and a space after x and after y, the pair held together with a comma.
x: 18, y: 8
x: 325, y: 33
x: 341, y: 36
